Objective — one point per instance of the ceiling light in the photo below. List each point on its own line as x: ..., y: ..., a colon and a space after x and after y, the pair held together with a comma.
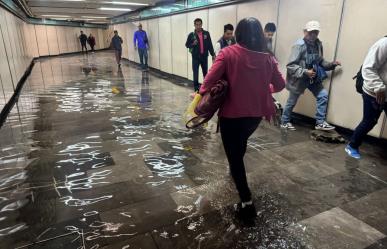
x: 55, y: 16
x: 128, y: 3
x: 115, y: 9
x: 95, y: 17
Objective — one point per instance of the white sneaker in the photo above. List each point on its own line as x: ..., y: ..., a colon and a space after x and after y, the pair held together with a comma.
x: 288, y: 126
x: 324, y: 127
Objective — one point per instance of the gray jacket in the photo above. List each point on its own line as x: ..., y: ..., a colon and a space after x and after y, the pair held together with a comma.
x: 375, y: 68
x: 296, y: 80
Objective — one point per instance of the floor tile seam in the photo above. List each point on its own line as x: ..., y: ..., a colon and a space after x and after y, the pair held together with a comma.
x: 355, y: 218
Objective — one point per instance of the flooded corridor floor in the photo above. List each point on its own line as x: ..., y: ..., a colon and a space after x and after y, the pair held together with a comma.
x: 97, y: 157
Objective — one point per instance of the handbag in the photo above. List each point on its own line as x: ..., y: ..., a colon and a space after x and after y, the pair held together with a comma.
x: 207, y: 105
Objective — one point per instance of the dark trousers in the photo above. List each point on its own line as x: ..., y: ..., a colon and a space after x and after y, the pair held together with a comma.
x: 371, y: 114
x: 118, y: 54
x: 84, y: 46
x: 235, y: 132
x: 196, y: 62
x: 143, y: 53
x: 92, y: 47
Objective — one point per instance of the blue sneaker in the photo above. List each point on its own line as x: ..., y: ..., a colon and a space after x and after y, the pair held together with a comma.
x: 352, y: 152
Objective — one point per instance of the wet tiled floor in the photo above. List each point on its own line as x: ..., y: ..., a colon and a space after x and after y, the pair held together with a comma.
x: 93, y: 156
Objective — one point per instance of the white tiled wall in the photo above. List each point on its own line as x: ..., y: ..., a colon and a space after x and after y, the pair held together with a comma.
x: 153, y: 37
x: 363, y: 24
x: 179, y: 51
x: 165, y: 43
x: 52, y: 40
x: 21, y: 42
x: 62, y: 41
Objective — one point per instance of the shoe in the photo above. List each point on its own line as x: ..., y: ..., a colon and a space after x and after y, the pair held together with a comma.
x: 247, y: 213
x: 324, y: 127
x: 119, y: 64
x: 288, y: 126
x: 352, y: 152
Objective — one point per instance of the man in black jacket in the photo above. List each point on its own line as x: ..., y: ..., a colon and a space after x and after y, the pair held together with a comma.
x: 83, y: 40
x: 199, y: 44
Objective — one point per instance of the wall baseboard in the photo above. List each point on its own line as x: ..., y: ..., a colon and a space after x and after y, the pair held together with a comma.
x: 173, y: 78
x: 15, y: 97
x: 69, y: 53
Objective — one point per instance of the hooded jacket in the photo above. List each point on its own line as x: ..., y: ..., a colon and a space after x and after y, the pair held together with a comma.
x: 375, y: 68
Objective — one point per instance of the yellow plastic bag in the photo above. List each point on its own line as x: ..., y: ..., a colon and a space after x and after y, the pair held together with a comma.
x: 115, y: 90
x: 190, y: 118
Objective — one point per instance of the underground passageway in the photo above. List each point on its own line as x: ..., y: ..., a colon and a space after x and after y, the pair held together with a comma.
x: 93, y: 156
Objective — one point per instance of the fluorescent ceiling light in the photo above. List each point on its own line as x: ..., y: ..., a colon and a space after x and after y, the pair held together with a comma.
x: 55, y: 16
x: 128, y: 3
x: 95, y: 17
x: 115, y: 9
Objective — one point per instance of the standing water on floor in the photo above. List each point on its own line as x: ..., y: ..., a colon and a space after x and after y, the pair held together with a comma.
x: 96, y: 156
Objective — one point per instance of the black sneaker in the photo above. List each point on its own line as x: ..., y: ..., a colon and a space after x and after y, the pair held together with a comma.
x: 247, y: 213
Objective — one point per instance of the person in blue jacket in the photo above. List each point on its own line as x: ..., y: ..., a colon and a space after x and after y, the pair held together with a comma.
x: 140, y: 40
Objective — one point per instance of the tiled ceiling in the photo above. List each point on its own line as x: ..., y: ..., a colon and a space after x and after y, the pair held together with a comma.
x: 85, y: 10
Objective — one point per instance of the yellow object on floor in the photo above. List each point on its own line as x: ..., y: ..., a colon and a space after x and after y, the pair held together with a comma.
x: 115, y: 90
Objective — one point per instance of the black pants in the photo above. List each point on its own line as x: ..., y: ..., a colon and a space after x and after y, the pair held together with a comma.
x: 371, y: 114
x: 235, y: 132
x: 92, y: 47
x: 84, y: 46
x: 196, y: 62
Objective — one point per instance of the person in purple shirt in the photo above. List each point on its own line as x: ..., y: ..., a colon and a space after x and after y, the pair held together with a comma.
x: 140, y: 40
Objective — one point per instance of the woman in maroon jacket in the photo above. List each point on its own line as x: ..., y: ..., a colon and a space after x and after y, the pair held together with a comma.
x: 249, y: 69
x: 91, y: 41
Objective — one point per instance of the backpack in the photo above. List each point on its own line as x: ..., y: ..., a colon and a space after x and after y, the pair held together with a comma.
x: 359, y: 81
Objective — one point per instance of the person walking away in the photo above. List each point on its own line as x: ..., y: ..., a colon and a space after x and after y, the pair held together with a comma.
x: 249, y: 70
x: 200, y: 45
x: 83, y: 40
x: 91, y: 41
x: 227, y: 39
x: 374, y: 72
x: 306, y: 69
x: 140, y: 40
x: 116, y: 44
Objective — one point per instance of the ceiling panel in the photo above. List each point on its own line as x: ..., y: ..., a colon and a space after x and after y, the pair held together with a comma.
x: 83, y: 10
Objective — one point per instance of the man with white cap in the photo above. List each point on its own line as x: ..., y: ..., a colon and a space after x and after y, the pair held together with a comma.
x: 307, y: 70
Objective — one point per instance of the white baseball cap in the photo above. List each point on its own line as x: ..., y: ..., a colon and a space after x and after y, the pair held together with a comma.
x: 312, y: 25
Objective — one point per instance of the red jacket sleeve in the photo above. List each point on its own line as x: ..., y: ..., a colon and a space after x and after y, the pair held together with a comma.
x: 277, y: 80
x: 216, y: 73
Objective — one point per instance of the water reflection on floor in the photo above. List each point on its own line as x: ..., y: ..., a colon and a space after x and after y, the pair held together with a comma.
x: 94, y: 156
